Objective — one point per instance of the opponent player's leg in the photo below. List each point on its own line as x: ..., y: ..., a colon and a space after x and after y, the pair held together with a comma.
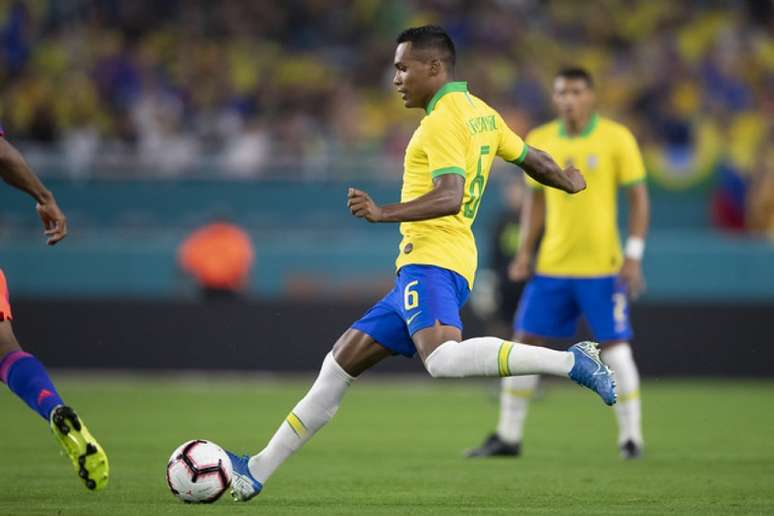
x: 446, y: 355
x: 606, y: 308
x: 352, y: 354
x: 24, y: 375
x: 28, y: 379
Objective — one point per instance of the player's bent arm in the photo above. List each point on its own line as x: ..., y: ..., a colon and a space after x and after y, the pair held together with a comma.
x: 444, y: 199
x: 15, y: 171
x: 542, y: 168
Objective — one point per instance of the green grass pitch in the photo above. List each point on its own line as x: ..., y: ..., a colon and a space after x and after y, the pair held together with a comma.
x: 395, y: 448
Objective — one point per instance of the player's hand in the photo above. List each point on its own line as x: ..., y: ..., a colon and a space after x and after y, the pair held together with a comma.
x: 631, y: 277
x: 362, y: 206
x: 519, y: 269
x: 577, y: 183
x: 54, y: 221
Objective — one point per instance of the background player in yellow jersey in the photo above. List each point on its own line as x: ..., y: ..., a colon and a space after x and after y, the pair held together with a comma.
x: 446, y: 168
x: 580, y: 269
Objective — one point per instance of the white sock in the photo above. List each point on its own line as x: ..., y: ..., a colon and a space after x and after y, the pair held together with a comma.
x: 515, y: 394
x: 490, y: 356
x: 627, y: 409
x: 307, y: 417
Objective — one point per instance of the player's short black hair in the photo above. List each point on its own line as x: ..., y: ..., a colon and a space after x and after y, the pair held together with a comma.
x: 431, y: 37
x: 576, y: 72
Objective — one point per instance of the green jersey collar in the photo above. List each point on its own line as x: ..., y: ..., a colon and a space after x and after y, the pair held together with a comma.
x: 586, y: 130
x: 446, y: 88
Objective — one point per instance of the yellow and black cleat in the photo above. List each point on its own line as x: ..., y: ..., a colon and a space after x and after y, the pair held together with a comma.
x: 87, y: 456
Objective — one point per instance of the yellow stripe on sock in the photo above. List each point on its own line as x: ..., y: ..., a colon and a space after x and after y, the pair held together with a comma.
x: 520, y: 393
x: 296, y: 425
x: 502, y: 358
x: 629, y: 396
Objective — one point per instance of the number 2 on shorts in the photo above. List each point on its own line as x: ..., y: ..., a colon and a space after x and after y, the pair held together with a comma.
x: 619, y: 308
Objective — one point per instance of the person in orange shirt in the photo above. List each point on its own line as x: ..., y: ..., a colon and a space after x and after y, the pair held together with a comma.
x: 219, y: 256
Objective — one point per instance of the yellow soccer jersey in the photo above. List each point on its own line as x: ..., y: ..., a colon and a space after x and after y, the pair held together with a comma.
x: 460, y: 135
x: 581, y: 232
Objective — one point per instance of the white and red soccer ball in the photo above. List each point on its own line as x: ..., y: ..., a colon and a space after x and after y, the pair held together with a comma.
x: 199, y: 471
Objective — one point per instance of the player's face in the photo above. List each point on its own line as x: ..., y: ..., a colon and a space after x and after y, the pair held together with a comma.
x: 412, y: 77
x: 573, y: 98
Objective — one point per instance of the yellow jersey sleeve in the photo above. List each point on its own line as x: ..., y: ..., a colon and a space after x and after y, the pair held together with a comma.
x: 512, y: 148
x: 445, y: 143
x: 629, y: 164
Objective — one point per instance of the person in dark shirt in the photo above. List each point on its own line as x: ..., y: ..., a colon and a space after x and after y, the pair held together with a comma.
x: 504, y: 245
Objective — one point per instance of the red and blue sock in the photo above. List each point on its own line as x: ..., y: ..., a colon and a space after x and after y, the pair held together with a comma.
x: 28, y: 379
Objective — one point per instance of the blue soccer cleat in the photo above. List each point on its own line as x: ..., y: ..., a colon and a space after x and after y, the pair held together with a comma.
x: 591, y: 372
x: 243, y: 485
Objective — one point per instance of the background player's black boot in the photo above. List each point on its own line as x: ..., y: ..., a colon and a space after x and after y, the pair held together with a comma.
x: 493, y: 446
x: 630, y: 450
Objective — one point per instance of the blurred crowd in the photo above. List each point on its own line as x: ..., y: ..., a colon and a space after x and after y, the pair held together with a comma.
x: 302, y: 88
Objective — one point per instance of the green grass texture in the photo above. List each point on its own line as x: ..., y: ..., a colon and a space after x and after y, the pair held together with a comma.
x: 395, y: 447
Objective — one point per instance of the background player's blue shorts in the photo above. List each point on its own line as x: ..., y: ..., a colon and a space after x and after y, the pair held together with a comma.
x: 551, y: 306
x: 422, y: 295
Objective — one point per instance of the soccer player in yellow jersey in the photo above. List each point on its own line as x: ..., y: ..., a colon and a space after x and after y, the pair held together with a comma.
x: 580, y: 268
x: 445, y: 174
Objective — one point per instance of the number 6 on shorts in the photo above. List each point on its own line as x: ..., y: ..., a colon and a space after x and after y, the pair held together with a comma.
x: 411, y: 297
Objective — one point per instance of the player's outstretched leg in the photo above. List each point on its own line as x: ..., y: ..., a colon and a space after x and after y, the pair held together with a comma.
x: 354, y: 351
x: 28, y: 379
x: 627, y: 410
x: 307, y: 417
x: 491, y: 356
x: 591, y: 372
x: 588, y: 370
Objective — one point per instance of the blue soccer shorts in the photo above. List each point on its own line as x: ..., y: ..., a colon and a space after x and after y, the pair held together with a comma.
x: 551, y: 307
x: 423, y: 294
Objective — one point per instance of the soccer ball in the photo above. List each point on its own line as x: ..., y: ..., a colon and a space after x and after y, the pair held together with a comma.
x: 198, y: 472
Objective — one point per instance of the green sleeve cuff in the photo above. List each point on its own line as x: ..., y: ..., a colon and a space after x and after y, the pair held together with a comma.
x: 520, y: 159
x: 633, y: 182
x: 448, y: 170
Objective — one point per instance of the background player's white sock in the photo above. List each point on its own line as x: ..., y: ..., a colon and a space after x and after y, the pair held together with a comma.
x: 490, y: 356
x: 307, y: 417
x: 515, y: 393
x: 627, y: 409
